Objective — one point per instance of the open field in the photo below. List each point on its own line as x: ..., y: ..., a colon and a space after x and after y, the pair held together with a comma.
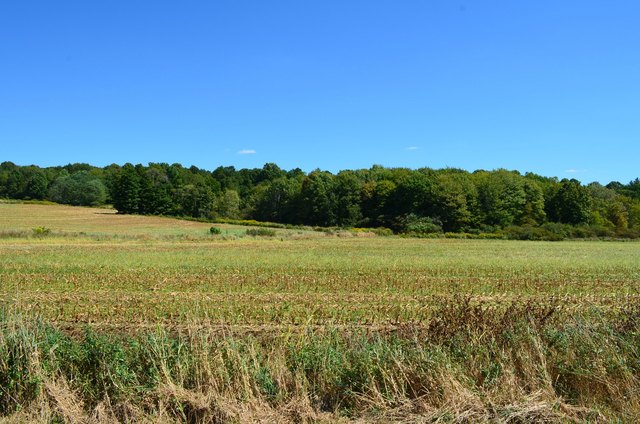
x: 315, y: 281
x: 275, y: 281
x: 70, y: 220
x: 507, y: 319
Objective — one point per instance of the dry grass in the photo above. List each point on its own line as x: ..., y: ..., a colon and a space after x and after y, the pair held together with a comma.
x: 374, y: 282
x: 523, y: 365
x: 60, y: 218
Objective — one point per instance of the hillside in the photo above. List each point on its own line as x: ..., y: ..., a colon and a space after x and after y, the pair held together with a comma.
x: 77, y: 219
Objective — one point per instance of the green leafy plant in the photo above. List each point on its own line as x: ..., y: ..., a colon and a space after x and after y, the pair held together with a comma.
x: 41, y: 231
x: 261, y: 232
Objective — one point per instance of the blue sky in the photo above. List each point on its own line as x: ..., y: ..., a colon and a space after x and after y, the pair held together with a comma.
x: 551, y: 87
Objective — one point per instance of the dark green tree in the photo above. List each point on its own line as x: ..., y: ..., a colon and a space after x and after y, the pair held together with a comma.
x: 454, y: 200
x: 277, y: 201
x: 270, y: 172
x: 79, y: 189
x: 155, y: 191
x: 532, y: 212
x: 632, y: 189
x: 12, y: 181
x: 348, y: 189
x: 501, y: 197
x: 376, y: 196
x: 126, y: 190
x: 318, y: 199
x: 413, y: 195
x: 571, y: 204
x: 36, y: 187
x: 195, y: 200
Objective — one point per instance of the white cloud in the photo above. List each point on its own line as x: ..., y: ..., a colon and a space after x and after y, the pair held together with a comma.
x: 247, y: 152
x: 412, y: 148
x: 574, y: 171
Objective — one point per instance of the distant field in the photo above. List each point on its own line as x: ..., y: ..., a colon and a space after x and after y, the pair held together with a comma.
x: 95, y: 221
x: 276, y: 281
x: 153, y: 319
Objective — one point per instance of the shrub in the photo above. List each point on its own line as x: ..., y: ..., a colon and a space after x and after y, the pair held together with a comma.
x: 379, y: 231
x: 13, y: 233
x: 528, y: 232
x: 593, y: 231
x: 451, y: 235
x: 418, y: 225
x: 628, y: 233
x: 263, y: 232
x: 383, y: 232
x: 489, y: 236
x: 561, y: 231
x: 254, y: 223
x: 41, y: 231
x: 424, y: 225
x: 215, y: 230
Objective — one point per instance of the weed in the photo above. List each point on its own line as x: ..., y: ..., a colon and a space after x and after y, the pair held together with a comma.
x: 41, y: 231
x: 261, y: 232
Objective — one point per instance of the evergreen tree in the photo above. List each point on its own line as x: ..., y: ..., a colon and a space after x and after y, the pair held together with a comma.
x: 126, y: 195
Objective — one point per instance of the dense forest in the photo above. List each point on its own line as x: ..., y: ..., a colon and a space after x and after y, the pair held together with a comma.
x: 422, y: 201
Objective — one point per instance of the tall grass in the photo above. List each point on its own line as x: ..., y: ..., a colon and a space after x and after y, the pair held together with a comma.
x: 470, y: 363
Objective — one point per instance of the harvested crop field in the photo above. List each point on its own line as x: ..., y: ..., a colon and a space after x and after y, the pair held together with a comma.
x: 331, y: 328
x: 317, y: 281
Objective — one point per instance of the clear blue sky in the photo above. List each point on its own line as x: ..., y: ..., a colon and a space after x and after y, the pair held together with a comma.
x: 551, y: 87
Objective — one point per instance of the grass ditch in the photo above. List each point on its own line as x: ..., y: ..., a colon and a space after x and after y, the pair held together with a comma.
x: 467, y: 364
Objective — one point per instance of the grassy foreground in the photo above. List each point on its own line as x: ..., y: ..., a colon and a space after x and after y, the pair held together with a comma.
x: 156, y: 320
x: 468, y: 365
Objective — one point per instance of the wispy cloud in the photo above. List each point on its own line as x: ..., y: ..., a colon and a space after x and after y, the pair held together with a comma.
x: 412, y: 148
x: 575, y: 171
x: 247, y: 152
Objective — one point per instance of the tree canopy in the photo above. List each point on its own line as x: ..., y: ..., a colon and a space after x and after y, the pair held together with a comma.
x: 405, y: 200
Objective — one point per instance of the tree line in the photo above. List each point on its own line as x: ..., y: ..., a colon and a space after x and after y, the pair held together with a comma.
x: 420, y: 201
